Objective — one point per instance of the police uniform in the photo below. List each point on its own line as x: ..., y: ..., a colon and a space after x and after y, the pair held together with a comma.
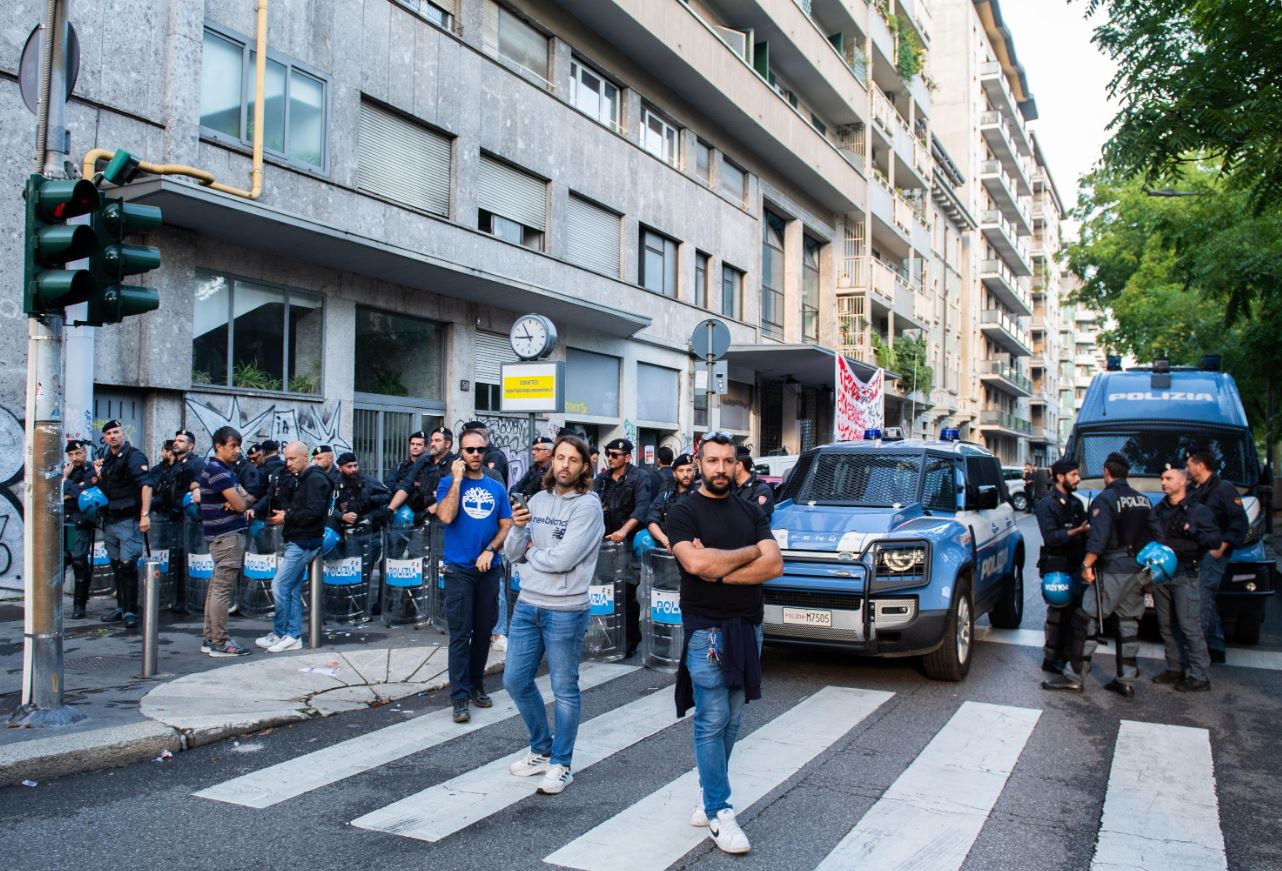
x: 397, y: 475
x: 532, y: 481
x: 753, y: 489
x: 367, y: 498
x: 123, y: 476
x: 1119, y: 528
x: 671, y: 495
x: 1058, y: 513
x: 81, y: 531
x: 626, y: 498
x: 1229, y: 516
x: 1188, y: 529
x: 173, y: 484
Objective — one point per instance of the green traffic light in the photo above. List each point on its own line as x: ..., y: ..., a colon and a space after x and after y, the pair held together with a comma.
x: 119, y: 301
x: 121, y: 260
x: 47, y: 287
x: 63, y: 242
x: 63, y: 199
x: 56, y: 288
x: 121, y: 219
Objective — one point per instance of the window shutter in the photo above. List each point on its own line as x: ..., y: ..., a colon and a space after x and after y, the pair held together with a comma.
x: 492, y: 351
x: 513, y: 194
x: 592, y: 237
x: 403, y: 161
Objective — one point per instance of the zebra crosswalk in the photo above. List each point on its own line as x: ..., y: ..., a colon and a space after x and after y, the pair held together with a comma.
x: 1159, y: 811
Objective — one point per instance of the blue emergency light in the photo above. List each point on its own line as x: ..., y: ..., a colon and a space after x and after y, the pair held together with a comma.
x: 950, y: 434
x: 871, y: 434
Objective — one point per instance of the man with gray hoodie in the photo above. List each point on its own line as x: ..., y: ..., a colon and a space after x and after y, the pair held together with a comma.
x: 553, y: 544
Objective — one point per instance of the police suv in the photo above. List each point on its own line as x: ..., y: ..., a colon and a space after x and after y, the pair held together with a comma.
x: 891, y: 548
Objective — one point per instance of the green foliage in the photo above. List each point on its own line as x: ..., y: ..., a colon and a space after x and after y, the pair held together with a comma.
x: 249, y: 376
x: 907, y: 359
x: 387, y: 382
x: 911, y: 52
x: 303, y: 384
x: 200, y: 376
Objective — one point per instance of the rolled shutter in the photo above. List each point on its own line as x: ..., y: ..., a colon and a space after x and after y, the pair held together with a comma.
x: 492, y: 351
x: 592, y: 237
x: 403, y: 161
x: 513, y: 194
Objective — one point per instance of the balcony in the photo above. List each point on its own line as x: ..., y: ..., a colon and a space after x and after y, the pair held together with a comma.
x: 993, y: 79
x: 888, y: 290
x: 1005, y: 331
x: 1002, y: 190
x: 1004, y: 377
x: 1004, y: 420
x: 919, y: 14
x: 996, y: 130
x: 1040, y: 434
x: 1001, y: 234
x: 1001, y: 283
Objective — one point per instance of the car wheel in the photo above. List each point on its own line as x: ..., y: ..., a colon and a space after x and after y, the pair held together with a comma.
x: 951, y: 660
x: 1019, y: 501
x: 1247, y: 630
x: 1009, y: 612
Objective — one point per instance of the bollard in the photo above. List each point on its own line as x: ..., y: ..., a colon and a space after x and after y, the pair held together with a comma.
x: 317, y: 615
x: 150, y: 616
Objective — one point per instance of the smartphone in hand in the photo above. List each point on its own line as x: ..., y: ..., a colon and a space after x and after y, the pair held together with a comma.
x: 518, y: 499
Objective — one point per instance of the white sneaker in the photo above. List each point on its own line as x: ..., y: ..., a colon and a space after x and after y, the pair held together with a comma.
x: 699, y: 817
x: 726, y: 833
x: 499, y: 643
x: 266, y: 641
x: 287, y: 643
x: 532, y: 764
x: 556, y: 779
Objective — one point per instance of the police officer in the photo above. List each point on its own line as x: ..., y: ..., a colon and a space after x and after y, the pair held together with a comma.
x: 625, y: 496
x: 494, y: 459
x: 125, y: 478
x: 1189, y: 529
x: 541, y: 455
x: 417, y: 486
x: 682, y: 482
x: 1118, y: 529
x: 663, y: 465
x: 748, y: 486
x: 360, y: 508
x: 1230, y: 518
x: 174, y: 482
x: 1061, y: 518
x: 77, y: 476
x: 417, y: 446
x: 323, y: 456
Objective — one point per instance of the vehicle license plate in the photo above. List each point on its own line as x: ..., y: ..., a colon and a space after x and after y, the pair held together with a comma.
x: 806, y: 617
x: 1148, y: 600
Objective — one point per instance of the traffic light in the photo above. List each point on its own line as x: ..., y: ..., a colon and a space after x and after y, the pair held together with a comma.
x: 113, y: 261
x: 51, y: 243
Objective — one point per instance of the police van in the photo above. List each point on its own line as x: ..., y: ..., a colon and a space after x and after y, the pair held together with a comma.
x: 892, y: 548
x: 1154, y: 416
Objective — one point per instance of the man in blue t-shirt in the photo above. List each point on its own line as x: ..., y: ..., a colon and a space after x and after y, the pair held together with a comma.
x: 474, y: 509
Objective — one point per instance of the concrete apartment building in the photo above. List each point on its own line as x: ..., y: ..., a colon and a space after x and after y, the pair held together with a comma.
x: 1047, y: 292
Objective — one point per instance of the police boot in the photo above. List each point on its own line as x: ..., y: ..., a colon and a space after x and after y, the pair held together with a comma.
x: 127, y: 584
x: 80, y: 597
x: 119, y: 613
x: 1124, y: 690
x: 180, y: 587
x: 1071, y: 680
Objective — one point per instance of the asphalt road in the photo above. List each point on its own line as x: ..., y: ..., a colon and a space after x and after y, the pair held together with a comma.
x: 1062, y: 763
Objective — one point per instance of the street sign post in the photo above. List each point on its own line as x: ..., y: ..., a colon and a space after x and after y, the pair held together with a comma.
x: 709, y: 342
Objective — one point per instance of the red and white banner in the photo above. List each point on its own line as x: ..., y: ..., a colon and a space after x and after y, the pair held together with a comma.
x: 860, y: 405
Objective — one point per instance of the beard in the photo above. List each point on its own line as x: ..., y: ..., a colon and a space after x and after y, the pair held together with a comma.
x: 718, y: 485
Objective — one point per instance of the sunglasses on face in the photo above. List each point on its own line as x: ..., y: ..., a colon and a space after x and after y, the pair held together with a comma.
x: 473, y: 450
x: 614, y: 455
x: 720, y: 438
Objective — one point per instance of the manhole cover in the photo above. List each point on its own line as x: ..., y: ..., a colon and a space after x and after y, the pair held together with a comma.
x: 97, y: 663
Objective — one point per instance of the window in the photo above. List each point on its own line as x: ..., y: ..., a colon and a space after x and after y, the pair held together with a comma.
x: 516, y: 43
x: 429, y: 10
x: 591, y: 384
x: 659, y: 136
x: 594, y: 95
x: 379, y: 436
x: 255, y: 337
x: 734, y: 182
x: 657, y: 270
x: 731, y: 292
x: 701, y: 279
x: 398, y: 355
x: 939, y: 485
x: 491, y: 351
x: 513, y: 204
x: 772, y: 274
x: 402, y: 161
x: 810, y: 290
x: 592, y: 236
x: 295, y: 108
x: 703, y: 161
x: 657, y: 393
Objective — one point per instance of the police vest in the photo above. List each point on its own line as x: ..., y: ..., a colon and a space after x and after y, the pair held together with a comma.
x: 1129, y: 530
x: 1064, y: 514
x: 618, y: 497
x: 117, y: 482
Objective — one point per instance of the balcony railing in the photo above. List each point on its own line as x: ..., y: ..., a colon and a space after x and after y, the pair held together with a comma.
x: 998, y: 318
x: 1007, y: 371
x: 994, y: 167
x: 1003, y: 273
x: 994, y: 218
x: 1006, y: 420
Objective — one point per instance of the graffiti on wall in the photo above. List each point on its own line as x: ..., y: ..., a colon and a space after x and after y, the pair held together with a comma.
x: 510, y: 435
x: 308, y: 425
x: 12, y: 453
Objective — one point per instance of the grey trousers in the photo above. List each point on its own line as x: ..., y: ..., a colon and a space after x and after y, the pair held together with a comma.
x: 1120, y: 593
x: 1179, y: 617
x: 228, y: 552
x: 1210, y: 573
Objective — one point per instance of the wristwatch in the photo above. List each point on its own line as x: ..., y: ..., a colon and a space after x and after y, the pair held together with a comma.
x: 491, y: 548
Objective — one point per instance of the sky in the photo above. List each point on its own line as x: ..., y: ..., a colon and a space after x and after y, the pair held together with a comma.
x: 1068, y: 78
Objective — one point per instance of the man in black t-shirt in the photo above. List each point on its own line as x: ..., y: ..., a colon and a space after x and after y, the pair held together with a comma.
x: 725, y: 550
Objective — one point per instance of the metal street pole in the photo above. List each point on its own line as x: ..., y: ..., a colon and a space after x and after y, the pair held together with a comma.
x: 714, y: 398
x: 42, y: 670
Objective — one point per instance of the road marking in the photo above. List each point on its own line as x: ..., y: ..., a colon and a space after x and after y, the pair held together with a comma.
x: 1160, y: 810
x: 269, y: 786
x: 1241, y: 657
x: 930, y: 816
x: 656, y: 831
x: 444, y: 809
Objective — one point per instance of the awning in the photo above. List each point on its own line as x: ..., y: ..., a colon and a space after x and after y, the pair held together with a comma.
x: 807, y: 364
x: 256, y: 226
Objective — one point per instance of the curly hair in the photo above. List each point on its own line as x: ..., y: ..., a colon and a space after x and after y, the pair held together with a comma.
x: 584, y: 483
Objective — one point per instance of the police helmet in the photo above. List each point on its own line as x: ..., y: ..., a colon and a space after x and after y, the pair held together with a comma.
x: 1159, y: 560
x: 643, y: 542
x: 403, y: 517
x: 1057, y: 589
x: 330, y: 541
x: 191, y: 506
x: 90, y: 501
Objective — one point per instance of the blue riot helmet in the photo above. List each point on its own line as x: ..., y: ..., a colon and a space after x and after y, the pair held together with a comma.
x: 330, y: 541
x: 403, y: 518
x: 90, y: 501
x: 1057, y: 589
x: 643, y: 542
x: 190, y: 506
x: 1159, y: 560
x: 256, y: 527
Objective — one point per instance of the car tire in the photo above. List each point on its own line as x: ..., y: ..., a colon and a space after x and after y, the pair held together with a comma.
x: 951, y: 660
x: 1019, y: 502
x: 1247, y: 630
x: 1009, y: 612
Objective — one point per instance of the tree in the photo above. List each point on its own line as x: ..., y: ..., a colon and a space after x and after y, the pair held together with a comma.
x: 1198, y: 81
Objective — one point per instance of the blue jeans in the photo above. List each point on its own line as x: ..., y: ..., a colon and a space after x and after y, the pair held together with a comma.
x: 559, y: 634
x: 717, y: 713
x: 1210, y: 572
x: 500, y: 625
x: 287, y: 590
x: 471, y: 598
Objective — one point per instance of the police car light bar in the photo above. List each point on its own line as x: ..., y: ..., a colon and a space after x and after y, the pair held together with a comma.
x: 871, y: 434
x: 1113, y: 363
x: 950, y: 434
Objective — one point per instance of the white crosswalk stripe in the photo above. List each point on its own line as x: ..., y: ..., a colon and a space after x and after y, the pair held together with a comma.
x: 657, y: 828
x: 929, y: 818
x: 1161, y: 810
x: 269, y: 786
x: 448, y: 807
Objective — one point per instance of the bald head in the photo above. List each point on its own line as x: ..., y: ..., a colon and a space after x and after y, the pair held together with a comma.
x: 295, y: 456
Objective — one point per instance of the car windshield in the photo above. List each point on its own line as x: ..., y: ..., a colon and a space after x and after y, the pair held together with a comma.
x: 1149, y: 450
x: 857, y: 478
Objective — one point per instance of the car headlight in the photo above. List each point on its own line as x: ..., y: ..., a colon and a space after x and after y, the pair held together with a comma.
x: 900, y: 564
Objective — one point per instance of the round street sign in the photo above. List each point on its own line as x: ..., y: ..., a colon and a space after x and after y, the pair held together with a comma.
x: 710, y: 338
x: 29, y: 67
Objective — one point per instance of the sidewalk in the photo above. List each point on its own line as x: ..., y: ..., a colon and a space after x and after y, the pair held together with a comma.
x: 197, y: 699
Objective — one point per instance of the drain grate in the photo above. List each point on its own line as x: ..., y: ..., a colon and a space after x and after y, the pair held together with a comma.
x: 97, y: 663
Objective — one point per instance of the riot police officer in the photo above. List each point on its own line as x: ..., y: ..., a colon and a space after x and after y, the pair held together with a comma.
x: 1225, y: 503
x: 750, y: 488
x: 625, y: 496
x: 360, y: 507
x: 417, y: 485
x: 323, y: 456
x: 1061, y: 518
x: 541, y: 455
x: 1118, y: 528
x: 417, y: 445
x: 125, y: 478
x: 682, y: 469
x: 173, y: 483
x: 77, y: 476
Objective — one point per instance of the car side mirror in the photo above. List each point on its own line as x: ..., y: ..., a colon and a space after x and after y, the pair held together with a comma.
x: 986, y: 497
